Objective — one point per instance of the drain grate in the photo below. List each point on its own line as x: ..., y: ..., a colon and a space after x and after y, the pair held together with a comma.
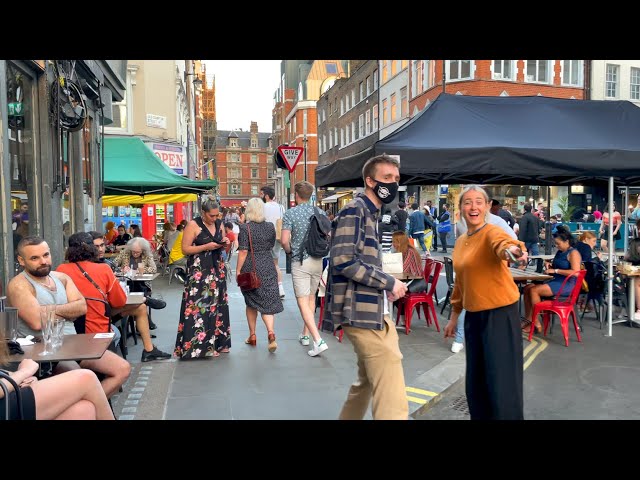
x: 460, y: 404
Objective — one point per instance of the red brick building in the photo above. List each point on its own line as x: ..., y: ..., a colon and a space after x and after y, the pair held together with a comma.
x: 550, y: 78
x: 242, y: 160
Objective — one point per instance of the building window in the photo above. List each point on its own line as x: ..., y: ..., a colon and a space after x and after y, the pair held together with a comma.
x: 415, y: 80
x: 254, y: 173
x: 405, y: 63
x: 361, y: 125
x: 459, y: 70
x: 346, y: 103
x: 538, y: 71
x: 347, y: 131
x: 330, y: 139
x: 353, y: 97
x: 634, y: 92
x: 235, y: 157
x: 572, y: 72
x: 254, y: 143
x: 385, y: 112
x: 324, y: 115
x: 394, y: 67
x: 319, y: 118
x: 235, y: 172
x: 375, y: 118
x: 427, y: 74
x: 368, y: 122
x: 368, y: 86
x: 394, y: 110
x: 503, y: 70
x: 404, y: 103
x: 233, y: 142
x: 335, y: 135
x: 385, y: 72
x: 361, y: 91
x: 254, y: 189
x: 612, y: 81
x: 234, y: 189
x: 341, y: 137
x: 254, y: 158
x: 342, y: 106
x: 375, y: 79
x: 332, y: 68
x: 324, y: 142
x: 353, y: 131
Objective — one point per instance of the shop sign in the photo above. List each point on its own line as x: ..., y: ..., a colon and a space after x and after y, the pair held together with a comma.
x: 174, y: 156
x: 156, y: 121
x: 16, y: 109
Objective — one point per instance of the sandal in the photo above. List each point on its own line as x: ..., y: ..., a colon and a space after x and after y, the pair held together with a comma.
x: 215, y: 354
x: 225, y: 350
x: 525, y: 324
x: 251, y: 340
x: 272, y: 342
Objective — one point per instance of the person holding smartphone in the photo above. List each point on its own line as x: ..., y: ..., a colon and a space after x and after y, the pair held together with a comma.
x: 484, y: 287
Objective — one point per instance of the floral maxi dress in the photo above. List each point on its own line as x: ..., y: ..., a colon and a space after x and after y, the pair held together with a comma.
x: 204, y: 315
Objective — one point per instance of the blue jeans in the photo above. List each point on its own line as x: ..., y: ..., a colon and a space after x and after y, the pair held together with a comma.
x: 460, y: 329
x: 532, y: 248
x: 420, y: 238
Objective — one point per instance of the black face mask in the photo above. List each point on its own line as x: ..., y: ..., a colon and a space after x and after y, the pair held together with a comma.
x: 386, y: 192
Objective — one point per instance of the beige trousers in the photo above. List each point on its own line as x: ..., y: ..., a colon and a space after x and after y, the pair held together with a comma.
x: 380, y: 375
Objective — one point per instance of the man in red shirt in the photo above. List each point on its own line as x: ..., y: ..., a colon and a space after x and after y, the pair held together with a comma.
x: 96, y: 280
x: 233, y: 238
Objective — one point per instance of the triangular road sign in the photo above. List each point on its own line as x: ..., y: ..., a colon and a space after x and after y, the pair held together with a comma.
x: 291, y: 155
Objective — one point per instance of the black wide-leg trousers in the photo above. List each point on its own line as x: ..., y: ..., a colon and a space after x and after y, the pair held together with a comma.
x: 493, y: 344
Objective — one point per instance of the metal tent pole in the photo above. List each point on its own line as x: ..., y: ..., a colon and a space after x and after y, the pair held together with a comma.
x: 626, y: 218
x: 610, y: 261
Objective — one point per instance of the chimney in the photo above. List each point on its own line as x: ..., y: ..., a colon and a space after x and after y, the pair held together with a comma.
x: 254, y: 127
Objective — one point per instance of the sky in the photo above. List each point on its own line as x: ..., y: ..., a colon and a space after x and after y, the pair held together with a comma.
x: 244, y: 92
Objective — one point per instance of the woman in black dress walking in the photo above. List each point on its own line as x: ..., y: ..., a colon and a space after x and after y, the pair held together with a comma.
x: 204, y: 329
x: 266, y: 298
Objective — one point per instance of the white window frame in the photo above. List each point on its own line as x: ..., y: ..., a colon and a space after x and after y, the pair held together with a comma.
x: 319, y: 118
x: 414, y: 78
x: 361, y: 125
x: 324, y: 114
x: 233, y: 142
x: 501, y: 76
x: 550, y: 72
x: 335, y: 136
x: 230, y: 189
x: 256, y: 171
x: 324, y: 142
x: 353, y: 131
x: 368, y: 85
x: 346, y: 103
x: 254, y: 189
x: 235, y: 172
x: 342, y: 138
x: 375, y: 80
x: 404, y: 103
x: 426, y: 75
x: 376, y: 120
x: 254, y: 158
x: 385, y: 111
x: 393, y: 105
x: 634, y: 83
x: 330, y: 139
x: 579, y: 82
x: 353, y: 98
x: 254, y: 143
x: 367, y: 122
x: 361, y: 91
x: 612, y: 78
x: 342, y: 106
x: 472, y: 67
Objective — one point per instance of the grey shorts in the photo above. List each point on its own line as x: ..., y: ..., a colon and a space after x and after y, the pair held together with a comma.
x: 306, y: 277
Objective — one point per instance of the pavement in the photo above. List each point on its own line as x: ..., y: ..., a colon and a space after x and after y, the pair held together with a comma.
x: 597, y: 378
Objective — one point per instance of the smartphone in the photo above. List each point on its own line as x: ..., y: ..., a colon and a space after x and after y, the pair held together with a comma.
x: 512, y: 257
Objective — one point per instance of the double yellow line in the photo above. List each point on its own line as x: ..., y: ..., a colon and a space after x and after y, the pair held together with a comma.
x: 531, y: 351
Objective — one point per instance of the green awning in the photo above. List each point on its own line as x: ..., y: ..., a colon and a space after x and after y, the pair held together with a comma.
x: 131, y: 167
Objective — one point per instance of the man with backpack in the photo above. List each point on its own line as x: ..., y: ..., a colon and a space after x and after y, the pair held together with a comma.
x: 305, y: 235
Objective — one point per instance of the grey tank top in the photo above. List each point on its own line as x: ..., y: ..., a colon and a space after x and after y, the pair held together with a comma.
x: 47, y: 297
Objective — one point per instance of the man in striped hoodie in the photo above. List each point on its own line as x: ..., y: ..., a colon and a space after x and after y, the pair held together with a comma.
x: 359, y: 295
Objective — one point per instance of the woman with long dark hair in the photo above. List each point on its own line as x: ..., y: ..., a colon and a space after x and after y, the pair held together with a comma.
x: 204, y: 329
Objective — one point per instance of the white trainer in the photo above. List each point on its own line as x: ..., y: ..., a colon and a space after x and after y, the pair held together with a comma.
x: 318, y: 348
x: 304, y: 340
x: 636, y: 316
x: 456, y: 347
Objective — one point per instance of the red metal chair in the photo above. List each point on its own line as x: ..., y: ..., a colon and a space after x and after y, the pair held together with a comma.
x: 563, y: 308
x: 432, y: 269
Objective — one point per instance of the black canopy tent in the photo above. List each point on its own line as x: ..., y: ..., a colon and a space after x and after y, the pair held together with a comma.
x: 514, y: 140
x: 509, y: 140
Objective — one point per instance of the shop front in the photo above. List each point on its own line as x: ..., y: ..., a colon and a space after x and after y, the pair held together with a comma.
x: 51, y: 157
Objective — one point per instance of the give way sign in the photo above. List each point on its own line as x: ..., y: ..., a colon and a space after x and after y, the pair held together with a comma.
x: 291, y: 156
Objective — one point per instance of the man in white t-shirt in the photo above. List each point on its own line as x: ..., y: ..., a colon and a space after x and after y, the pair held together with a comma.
x: 273, y: 212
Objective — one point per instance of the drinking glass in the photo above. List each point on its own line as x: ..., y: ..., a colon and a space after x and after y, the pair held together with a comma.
x: 46, y: 324
x: 58, y: 332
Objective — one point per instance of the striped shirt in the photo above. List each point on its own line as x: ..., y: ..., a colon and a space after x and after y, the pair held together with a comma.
x: 356, y: 281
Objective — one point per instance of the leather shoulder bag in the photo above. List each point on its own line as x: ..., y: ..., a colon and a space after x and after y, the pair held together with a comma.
x: 249, y: 281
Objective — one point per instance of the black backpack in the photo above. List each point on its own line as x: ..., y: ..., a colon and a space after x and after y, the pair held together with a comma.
x: 317, y: 241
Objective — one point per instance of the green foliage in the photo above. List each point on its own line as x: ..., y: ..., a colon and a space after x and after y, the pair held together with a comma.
x: 565, y: 208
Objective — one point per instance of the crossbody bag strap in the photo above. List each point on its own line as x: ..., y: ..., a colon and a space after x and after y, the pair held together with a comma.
x: 86, y: 275
x: 253, y: 260
x: 5, y: 375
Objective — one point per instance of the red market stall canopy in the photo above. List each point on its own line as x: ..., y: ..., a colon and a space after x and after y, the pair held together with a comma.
x: 507, y: 140
x: 131, y: 168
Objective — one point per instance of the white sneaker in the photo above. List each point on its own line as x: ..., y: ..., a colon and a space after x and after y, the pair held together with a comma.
x: 318, y: 348
x: 281, y: 290
x: 456, y: 347
x: 636, y: 316
x: 304, y: 340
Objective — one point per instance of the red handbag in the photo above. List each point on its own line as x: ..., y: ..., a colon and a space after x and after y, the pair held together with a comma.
x: 249, y: 281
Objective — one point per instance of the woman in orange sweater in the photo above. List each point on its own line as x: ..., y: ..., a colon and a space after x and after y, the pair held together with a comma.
x: 484, y: 287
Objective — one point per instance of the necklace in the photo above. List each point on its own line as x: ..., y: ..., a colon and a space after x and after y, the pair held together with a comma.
x: 474, y: 232
x: 48, y: 284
